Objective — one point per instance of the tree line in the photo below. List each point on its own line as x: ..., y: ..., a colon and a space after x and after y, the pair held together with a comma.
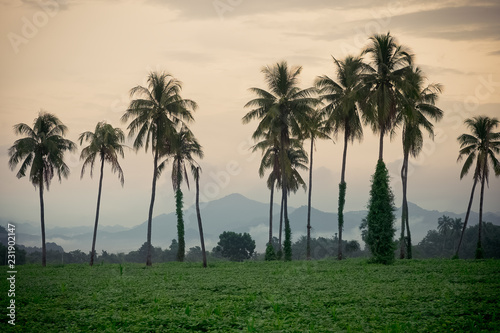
x: 441, y: 242
x: 381, y: 88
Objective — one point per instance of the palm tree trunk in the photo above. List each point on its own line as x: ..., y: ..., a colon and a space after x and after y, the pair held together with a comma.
x: 404, y: 174
x: 271, y: 214
x: 342, y: 190
x: 409, y: 254
x: 479, y: 248
x: 308, y: 240
x: 466, y: 216
x: 92, y: 252
x: 200, y: 226
x: 381, y: 145
x: 151, y: 205
x: 288, y: 232
x: 281, y: 216
x: 42, y: 221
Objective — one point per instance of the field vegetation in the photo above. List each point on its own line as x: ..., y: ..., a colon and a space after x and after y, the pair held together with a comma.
x: 258, y: 296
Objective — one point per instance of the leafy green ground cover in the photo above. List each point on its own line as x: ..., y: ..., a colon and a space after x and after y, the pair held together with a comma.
x: 300, y: 296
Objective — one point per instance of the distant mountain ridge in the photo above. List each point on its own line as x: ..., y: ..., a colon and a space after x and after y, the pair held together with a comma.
x: 231, y: 213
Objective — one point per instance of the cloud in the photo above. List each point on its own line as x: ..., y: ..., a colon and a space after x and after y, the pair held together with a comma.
x: 226, y: 9
x: 439, y: 70
x: 453, y: 23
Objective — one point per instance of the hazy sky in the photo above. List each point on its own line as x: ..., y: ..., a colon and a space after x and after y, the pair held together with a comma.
x: 78, y: 60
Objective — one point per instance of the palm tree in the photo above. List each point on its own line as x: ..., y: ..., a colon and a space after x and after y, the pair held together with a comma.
x: 42, y: 150
x: 283, y: 107
x: 479, y: 145
x: 445, y: 225
x: 270, y: 160
x: 314, y: 129
x: 155, y: 114
x: 417, y: 105
x: 196, y: 174
x: 106, y: 144
x: 342, y: 114
x: 390, y: 62
x: 297, y: 158
x: 182, y: 147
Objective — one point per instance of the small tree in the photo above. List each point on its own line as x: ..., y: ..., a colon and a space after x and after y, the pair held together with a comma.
x: 380, y: 219
x: 270, y: 254
x: 235, y: 247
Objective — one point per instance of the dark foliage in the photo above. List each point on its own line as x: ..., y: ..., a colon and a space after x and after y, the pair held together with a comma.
x: 380, y: 219
x: 235, y: 246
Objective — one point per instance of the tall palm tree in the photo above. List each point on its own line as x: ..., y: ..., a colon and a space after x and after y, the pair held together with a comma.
x: 482, y: 145
x: 417, y: 105
x: 390, y: 62
x: 155, y: 113
x: 342, y: 114
x: 182, y: 147
x: 270, y: 160
x: 42, y: 150
x: 106, y: 144
x: 196, y: 174
x: 314, y: 129
x: 285, y: 106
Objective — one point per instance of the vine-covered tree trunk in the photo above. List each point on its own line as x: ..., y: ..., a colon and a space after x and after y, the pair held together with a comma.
x: 42, y: 222
x: 180, y: 225
x: 380, y: 217
x: 342, y: 190
x: 92, y: 252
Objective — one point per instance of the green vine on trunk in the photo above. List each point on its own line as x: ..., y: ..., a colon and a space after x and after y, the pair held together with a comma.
x: 180, y: 225
x: 287, y: 245
x: 342, y: 191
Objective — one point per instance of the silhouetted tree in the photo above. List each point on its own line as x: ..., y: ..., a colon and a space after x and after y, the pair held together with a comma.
x: 42, y: 150
x: 235, y: 246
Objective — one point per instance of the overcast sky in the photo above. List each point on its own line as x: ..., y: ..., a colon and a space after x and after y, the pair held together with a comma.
x: 79, y: 59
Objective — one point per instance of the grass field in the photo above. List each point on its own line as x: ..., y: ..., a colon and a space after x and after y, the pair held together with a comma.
x: 322, y: 296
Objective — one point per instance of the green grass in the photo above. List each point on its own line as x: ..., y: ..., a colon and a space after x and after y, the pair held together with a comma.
x: 322, y: 296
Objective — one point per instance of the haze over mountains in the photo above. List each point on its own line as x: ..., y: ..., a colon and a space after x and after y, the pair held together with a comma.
x: 231, y: 213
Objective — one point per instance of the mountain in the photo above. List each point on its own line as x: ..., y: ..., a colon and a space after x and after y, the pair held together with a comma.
x: 231, y: 213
